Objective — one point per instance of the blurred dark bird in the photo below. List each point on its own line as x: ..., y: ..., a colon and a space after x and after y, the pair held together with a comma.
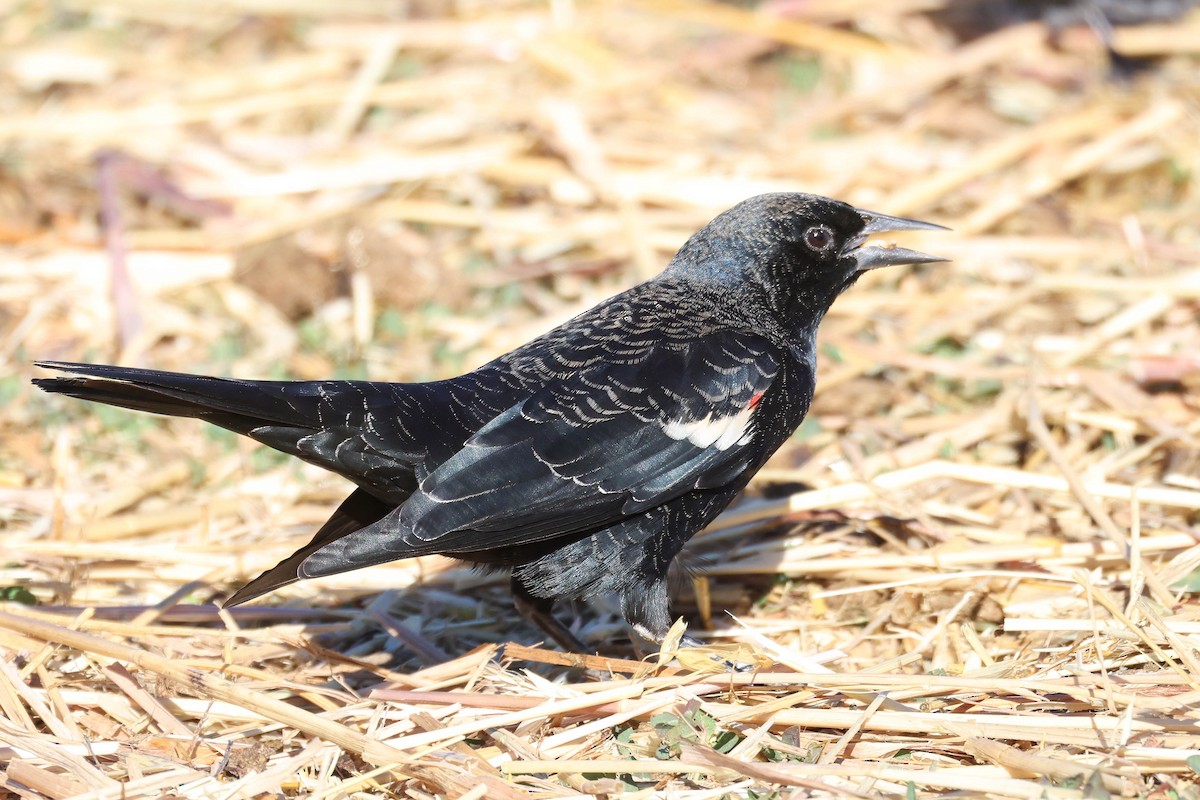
x: 1058, y: 14
x: 971, y: 19
x: 584, y: 460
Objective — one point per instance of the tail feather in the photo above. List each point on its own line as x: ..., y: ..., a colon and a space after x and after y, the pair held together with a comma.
x: 238, y: 405
x: 347, y: 427
x: 286, y: 415
x: 357, y: 511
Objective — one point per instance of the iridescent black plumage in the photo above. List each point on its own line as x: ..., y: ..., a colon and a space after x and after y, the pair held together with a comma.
x: 583, y: 460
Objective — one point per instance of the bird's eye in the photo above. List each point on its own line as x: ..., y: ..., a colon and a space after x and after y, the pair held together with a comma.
x: 818, y: 238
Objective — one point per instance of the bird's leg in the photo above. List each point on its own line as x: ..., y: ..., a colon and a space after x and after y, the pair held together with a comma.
x: 646, y: 609
x: 539, y: 610
x: 649, y: 614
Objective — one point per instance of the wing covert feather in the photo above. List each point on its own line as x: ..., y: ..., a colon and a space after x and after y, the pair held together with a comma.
x: 583, y: 453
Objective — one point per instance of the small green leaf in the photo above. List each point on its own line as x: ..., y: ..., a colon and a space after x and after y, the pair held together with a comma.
x: 984, y: 388
x: 664, y: 719
x: 706, y: 723
x: 1188, y: 583
x: 945, y: 347
x: 671, y: 730
x: 18, y: 594
x: 725, y: 741
x: 751, y: 794
x: 800, y: 74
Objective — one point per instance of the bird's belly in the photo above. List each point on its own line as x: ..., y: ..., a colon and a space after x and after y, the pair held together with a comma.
x: 623, y: 555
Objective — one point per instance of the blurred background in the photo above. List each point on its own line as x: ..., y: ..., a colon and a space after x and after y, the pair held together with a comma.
x: 403, y: 190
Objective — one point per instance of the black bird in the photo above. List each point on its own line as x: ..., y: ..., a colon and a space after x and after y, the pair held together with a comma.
x: 970, y: 19
x: 583, y: 460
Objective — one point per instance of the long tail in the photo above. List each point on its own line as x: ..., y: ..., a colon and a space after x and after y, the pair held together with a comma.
x: 238, y: 405
x: 351, y: 428
x: 286, y: 415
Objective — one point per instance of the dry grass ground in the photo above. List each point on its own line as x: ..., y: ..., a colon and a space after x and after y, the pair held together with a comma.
x: 972, y: 573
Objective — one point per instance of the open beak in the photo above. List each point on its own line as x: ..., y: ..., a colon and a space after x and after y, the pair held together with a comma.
x: 877, y: 256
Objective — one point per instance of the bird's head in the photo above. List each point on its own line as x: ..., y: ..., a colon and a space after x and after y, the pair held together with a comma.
x: 795, y: 252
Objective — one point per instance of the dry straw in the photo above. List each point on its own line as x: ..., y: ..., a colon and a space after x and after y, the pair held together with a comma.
x: 972, y: 574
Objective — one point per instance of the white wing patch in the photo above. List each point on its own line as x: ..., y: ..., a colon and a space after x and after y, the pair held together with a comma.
x: 719, y: 432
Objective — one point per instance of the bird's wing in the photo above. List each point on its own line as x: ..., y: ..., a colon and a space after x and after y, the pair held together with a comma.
x: 582, y: 453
